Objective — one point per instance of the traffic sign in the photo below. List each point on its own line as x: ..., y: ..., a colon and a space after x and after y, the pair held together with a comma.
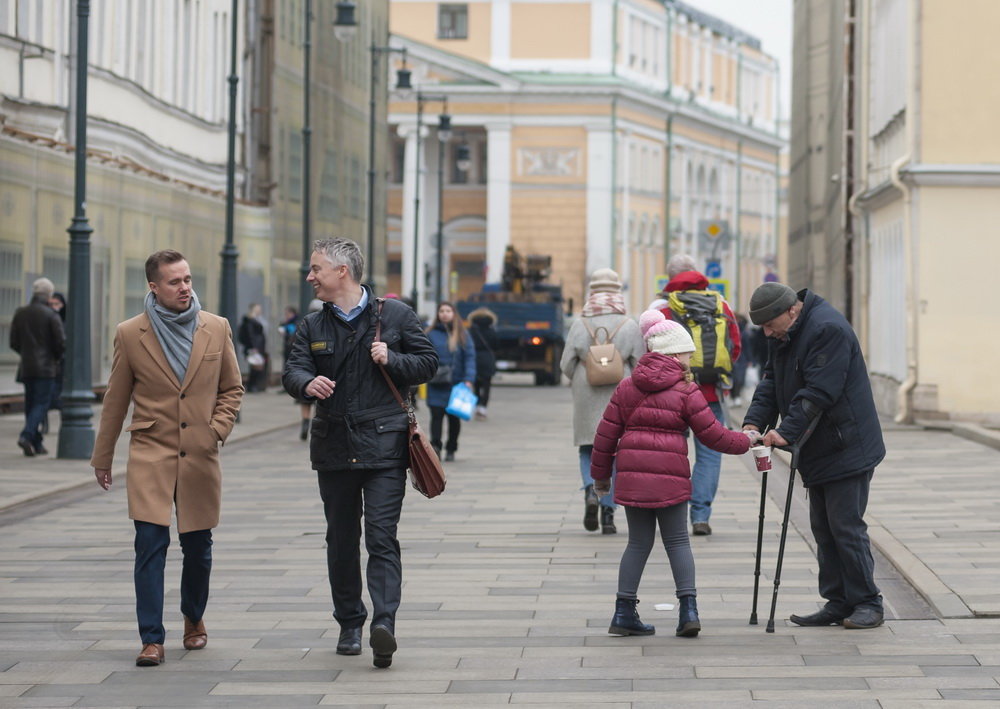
x: 721, y: 285
x: 713, y: 269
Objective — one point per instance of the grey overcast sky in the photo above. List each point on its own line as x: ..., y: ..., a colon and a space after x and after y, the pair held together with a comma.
x: 768, y: 20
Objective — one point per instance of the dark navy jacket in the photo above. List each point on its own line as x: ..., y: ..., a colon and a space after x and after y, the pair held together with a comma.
x: 819, y: 368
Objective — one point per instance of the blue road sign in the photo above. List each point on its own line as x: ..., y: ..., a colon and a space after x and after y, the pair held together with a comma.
x: 713, y: 269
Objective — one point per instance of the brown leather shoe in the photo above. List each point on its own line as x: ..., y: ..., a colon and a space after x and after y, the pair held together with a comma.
x: 195, y: 635
x: 151, y: 655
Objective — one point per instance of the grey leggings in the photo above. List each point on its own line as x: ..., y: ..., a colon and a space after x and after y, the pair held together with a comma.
x: 641, y: 535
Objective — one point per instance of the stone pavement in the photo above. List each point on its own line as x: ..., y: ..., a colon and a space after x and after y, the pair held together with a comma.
x: 506, y: 597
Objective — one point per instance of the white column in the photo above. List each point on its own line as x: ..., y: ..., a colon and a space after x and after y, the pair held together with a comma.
x: 602, y: 41
x: 600, y: 201
x: 625, y: 223
x: 500, y: 34
x: 498, y: 181
x: 409, y: 213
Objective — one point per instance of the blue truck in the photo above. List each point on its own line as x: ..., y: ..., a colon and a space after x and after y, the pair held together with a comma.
x: 530, y: 327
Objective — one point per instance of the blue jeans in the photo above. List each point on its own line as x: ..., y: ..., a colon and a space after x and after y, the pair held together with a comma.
x: 609, y: 499
x: 705, y: 475
x: 151, y: 542
x: 37, y: 399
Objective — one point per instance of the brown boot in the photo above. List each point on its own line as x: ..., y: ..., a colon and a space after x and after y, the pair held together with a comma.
x: 150, y: 656
x: 195, y: 635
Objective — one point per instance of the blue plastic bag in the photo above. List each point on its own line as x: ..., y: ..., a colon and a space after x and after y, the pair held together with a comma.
x: 462, y: 402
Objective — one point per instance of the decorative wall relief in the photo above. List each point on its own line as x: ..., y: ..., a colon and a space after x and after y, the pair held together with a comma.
x: 549, y: 162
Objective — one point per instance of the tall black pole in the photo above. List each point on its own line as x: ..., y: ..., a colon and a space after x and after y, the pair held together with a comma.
x: 440, y: 229
x: 76, y: 433
x: 229, y: 254
x: 370, y: 255
x: 306, y: 292
x: 415, y: 291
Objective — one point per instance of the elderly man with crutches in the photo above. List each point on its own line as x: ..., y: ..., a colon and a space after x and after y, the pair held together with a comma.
x: 816, y: 381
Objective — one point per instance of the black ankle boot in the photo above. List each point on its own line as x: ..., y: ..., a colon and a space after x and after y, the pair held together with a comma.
x: 626, y: 620
x: 608, y: 521
x: 304, y: 430
x: 590, y: 504
x: 688, y: 624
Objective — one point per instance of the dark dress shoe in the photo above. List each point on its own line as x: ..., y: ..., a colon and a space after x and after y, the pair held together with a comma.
x: 150, y: 656
x: 817, y: 619
x: 29, y: 450
x: 383, y: 646
x: 195, y: 635
x: 41, y: 450
x: 864, y: 618
x: 701, y: 529
x: 349, y: 642
x: 449, y: 457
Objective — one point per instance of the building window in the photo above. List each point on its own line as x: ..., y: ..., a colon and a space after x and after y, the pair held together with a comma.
x: 453, y: 22
x: 398, y: 160
x: 459, y: 176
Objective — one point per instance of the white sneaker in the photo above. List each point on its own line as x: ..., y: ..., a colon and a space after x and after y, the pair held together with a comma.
x: 480, y: 413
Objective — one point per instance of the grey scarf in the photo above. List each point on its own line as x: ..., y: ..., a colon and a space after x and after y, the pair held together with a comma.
x: 175, y: 331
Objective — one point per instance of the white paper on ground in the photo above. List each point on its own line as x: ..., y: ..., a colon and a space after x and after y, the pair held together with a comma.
x: 664, y: 606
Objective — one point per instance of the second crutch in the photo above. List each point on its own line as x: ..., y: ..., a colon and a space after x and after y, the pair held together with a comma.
x: 794, y: 449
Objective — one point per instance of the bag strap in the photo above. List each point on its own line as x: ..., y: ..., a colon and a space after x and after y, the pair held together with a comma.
x: 593, y: 333
x: 388, y: 380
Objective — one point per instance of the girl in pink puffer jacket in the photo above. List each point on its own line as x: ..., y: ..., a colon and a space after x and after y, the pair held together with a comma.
x: 644, y: 433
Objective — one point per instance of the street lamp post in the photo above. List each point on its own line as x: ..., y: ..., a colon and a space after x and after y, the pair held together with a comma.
x: 421, y: 100
x: 76, y: 432
x: 403, y: 85
x: 230, y: 254
x: 444, y: 135
x: 344, y: 28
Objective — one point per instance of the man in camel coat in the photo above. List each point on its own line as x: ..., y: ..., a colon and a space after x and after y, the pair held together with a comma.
x: 177, y: 365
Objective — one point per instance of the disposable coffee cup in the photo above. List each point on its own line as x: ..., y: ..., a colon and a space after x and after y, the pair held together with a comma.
x: 762, y: 457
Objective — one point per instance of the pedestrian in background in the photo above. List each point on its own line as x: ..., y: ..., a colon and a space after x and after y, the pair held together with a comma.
x: 482, y: 328
x: 360, y: 437
x: 684, y: 276
x: 740, y: 365
x: 36, y: 334
x: 456, y: 363
x: 254, y: 342
x: 287, y: 330
x: 176, y: 366
x: 58, y: 303
x: 604, y: 310
x: 815, y: 368
x: 644, y: 434
x: 305, y: 404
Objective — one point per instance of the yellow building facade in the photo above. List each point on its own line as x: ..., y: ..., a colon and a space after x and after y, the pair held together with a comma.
x: 602, y: 133
x: 929, y: 203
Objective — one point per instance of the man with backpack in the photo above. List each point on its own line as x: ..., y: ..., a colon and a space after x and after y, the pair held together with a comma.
x: 712, y: 325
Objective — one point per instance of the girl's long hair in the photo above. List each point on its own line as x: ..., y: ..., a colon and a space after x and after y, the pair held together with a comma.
x: 455, y: 329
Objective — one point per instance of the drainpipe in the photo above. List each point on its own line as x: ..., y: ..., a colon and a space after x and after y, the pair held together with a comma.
x: 668, y: 191
x: 904, y: 396
x: 614, y: 179
x: 862, y: 269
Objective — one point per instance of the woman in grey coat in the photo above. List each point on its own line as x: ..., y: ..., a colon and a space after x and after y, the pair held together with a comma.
x: 605, y: 308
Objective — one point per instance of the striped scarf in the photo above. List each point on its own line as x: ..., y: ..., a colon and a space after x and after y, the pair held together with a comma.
x: 603, y: 304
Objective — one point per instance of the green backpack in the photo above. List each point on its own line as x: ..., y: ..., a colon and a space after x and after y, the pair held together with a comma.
x: 702, y: 314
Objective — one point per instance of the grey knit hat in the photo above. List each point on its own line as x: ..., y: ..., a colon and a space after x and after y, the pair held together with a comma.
x: 769, y: 301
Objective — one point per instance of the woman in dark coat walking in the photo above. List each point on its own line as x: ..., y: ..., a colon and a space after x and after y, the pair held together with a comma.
x: 254, y: 342
x: 456, y: 363
x: 482, y: 327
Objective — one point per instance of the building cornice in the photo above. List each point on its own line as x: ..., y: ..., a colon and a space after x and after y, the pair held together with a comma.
x: 952, y: 175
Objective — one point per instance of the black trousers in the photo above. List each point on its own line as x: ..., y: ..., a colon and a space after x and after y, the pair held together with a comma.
x: 376, y: 496
x: 437, y: 428
x: 482, y: 390
x: 843, y: 550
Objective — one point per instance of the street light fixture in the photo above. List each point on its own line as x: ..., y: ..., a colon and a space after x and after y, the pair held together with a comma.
x: 76, y: 432
x: 403, y: 85
x: 344, y: 28
x: 463, y: 159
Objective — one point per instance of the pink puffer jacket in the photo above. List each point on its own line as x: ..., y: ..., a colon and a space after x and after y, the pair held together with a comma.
x: 644, y: 431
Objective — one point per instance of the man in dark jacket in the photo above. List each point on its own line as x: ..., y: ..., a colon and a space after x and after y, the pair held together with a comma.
x: 816, y: 368
x: 36, y: 333
x: 359, y: 443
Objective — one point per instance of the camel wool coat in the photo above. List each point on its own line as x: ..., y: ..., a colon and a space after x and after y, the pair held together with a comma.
x: 176, y: 428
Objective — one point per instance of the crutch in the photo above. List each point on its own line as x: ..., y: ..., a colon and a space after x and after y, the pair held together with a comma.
x: 794, y: 450
x: 760, y: 539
